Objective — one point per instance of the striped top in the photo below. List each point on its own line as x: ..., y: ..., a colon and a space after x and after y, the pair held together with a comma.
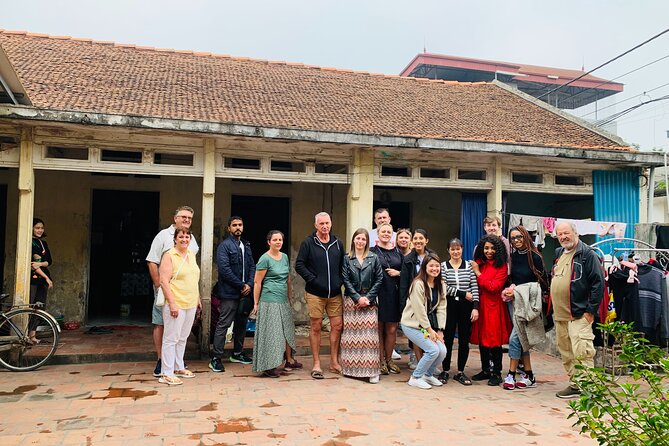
x: 463, y: 278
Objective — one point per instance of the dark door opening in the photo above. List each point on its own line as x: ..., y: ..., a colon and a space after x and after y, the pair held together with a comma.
x: 123, y: 226
x: 261, y: 215
x: 3, y: 228
x: 400, y: 213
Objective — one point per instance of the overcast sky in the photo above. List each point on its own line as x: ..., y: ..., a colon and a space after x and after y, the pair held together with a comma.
x: 383, y: 36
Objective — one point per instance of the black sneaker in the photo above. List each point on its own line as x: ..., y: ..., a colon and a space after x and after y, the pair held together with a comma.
x: 240, y: 358
x: 495, y: 380
x: 216, y: 365
x: 156, y: 371
x: 481, y: 376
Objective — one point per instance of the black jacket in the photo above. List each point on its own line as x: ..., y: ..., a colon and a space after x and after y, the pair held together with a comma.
x: 229, y: 263
x: 587, y: 281
x: 362, y: 280
x: 407, y: 275
x: 320, y: 265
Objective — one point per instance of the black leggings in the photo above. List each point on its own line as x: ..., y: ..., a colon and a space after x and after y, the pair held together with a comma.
x: 458, y: 316
x: 494, y: 355
x: 37, y: 294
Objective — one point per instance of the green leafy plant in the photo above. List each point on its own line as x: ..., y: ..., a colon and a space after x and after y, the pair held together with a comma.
x: 633, y: 410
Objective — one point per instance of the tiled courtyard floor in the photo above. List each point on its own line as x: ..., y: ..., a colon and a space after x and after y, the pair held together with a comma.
x: 122, y: 404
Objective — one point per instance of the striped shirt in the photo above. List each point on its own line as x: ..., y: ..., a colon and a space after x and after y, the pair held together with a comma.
x: 463, y: 278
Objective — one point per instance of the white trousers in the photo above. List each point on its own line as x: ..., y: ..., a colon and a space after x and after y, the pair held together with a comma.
x: 175, y: 335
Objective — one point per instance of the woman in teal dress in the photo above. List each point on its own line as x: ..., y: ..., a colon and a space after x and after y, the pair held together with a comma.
x: 275, y: 329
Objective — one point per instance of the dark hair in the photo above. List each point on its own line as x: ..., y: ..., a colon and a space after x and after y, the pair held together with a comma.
x: 184, y: 230
x: 39, y: 220
x: 421, y: 231
x: 422, y: 276
x: 500, y: 250
x: 233, y: 218
x: 528, y: 245
x: 455, y: 242
x: 271, y: 233
x: 355, y: 234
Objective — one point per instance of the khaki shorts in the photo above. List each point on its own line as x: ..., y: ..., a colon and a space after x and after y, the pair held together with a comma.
x: 318, y: 306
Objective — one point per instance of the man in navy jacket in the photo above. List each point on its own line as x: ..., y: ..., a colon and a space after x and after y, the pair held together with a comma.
x: 236, y: 271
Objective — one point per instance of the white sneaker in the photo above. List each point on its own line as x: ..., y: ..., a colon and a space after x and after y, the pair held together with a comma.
x: 432, y: 380
x: 509, y: 382
x: 524, y: 382
x: 396, y: 356
x: 419, y: 382
x: 374, y: 379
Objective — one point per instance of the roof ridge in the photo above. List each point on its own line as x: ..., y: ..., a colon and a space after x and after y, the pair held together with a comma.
x: 228, y: 56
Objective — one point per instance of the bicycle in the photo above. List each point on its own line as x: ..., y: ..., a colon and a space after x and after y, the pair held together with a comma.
x: 18, y: 352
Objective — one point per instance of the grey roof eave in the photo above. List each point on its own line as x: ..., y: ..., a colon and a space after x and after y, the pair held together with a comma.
x: 618, y: 157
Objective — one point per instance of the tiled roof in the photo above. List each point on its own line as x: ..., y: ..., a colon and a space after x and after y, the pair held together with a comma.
x: 84, y: 75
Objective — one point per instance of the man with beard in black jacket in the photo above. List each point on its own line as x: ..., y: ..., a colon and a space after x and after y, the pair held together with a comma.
x: 319, y: 263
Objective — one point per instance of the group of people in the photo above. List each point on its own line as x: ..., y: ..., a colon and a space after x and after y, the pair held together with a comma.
x: 390, y: 279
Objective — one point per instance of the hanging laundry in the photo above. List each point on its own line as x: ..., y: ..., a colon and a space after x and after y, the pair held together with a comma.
x: 532, y: 224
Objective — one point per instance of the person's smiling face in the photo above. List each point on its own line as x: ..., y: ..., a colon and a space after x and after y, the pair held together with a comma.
x: 489, y: 250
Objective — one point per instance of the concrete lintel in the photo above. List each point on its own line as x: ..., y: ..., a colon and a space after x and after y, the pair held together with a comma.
x: 622, y: 157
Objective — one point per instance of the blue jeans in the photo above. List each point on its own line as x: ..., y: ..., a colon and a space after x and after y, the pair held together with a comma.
x: 433, y: 352
x: 515, y: 347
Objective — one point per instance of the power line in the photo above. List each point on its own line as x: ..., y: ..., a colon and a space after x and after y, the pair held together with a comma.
x: 605, y: 63
x: 615, y: 78
x: 615, y: 116
x: 624, y: 100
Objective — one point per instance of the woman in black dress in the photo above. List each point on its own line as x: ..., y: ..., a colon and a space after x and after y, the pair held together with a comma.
x: 40, y: 279
x: 389, y: 296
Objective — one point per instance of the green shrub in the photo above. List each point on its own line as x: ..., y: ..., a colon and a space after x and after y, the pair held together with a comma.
x: 634, y: 411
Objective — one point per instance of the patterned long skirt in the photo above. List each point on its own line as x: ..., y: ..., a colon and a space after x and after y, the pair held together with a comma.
x: 274, y: 327
x: 360, y: 341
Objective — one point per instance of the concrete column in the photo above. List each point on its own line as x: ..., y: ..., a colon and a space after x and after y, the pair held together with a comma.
x: 360, y: 199
x: 207, y: 242
x: 495, y: 194
x: 24, y: 231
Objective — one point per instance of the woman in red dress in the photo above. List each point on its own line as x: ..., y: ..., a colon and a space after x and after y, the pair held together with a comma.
x: 493, y: 327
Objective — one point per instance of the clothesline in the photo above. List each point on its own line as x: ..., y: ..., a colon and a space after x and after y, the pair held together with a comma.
x: 543, y: 226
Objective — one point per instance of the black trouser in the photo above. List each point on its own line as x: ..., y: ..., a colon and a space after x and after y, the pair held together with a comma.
x: 37, y: 294
x: 229, y: 313
x: 493, y: 354
x: 458, y: 315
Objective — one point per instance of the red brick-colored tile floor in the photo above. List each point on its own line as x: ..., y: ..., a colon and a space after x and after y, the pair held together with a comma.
x: 120, y: 403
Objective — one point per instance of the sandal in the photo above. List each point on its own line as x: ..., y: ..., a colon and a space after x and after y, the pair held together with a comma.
x: 184, y: 373
x: 334, y: 370
x: 290, y: 366
x: 317, y: 374
x: 34, y: 340
x: 443, y: 377
x: 463, y: 379
x: 170, y: 380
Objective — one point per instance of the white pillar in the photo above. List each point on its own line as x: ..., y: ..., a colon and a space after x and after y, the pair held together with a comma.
x: 495, y: 194
x: 360, y: 199
x: 207, y: 252
x: 24, y: 232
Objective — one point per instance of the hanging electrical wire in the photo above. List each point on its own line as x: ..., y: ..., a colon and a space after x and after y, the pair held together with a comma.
x: 605, y: 63
x: 614, y: 79
x: 620, y: 114
x: 645, y: 93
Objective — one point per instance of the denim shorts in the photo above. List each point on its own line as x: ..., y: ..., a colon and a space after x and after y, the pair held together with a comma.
x: 515, y: 347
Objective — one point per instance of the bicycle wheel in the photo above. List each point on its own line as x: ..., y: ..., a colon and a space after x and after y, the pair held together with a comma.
x: 17, y: 352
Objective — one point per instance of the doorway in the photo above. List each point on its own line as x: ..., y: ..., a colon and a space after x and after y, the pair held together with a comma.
x: 3, y: 229
x: 261, y: 215
x: 123, y: 226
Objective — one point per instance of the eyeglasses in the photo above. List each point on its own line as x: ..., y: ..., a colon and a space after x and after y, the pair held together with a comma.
x: 185, y: 217
x: 517, y: 237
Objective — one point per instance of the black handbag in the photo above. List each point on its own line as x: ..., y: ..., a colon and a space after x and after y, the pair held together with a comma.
x: 245, y: 304
x: 432, y: 317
